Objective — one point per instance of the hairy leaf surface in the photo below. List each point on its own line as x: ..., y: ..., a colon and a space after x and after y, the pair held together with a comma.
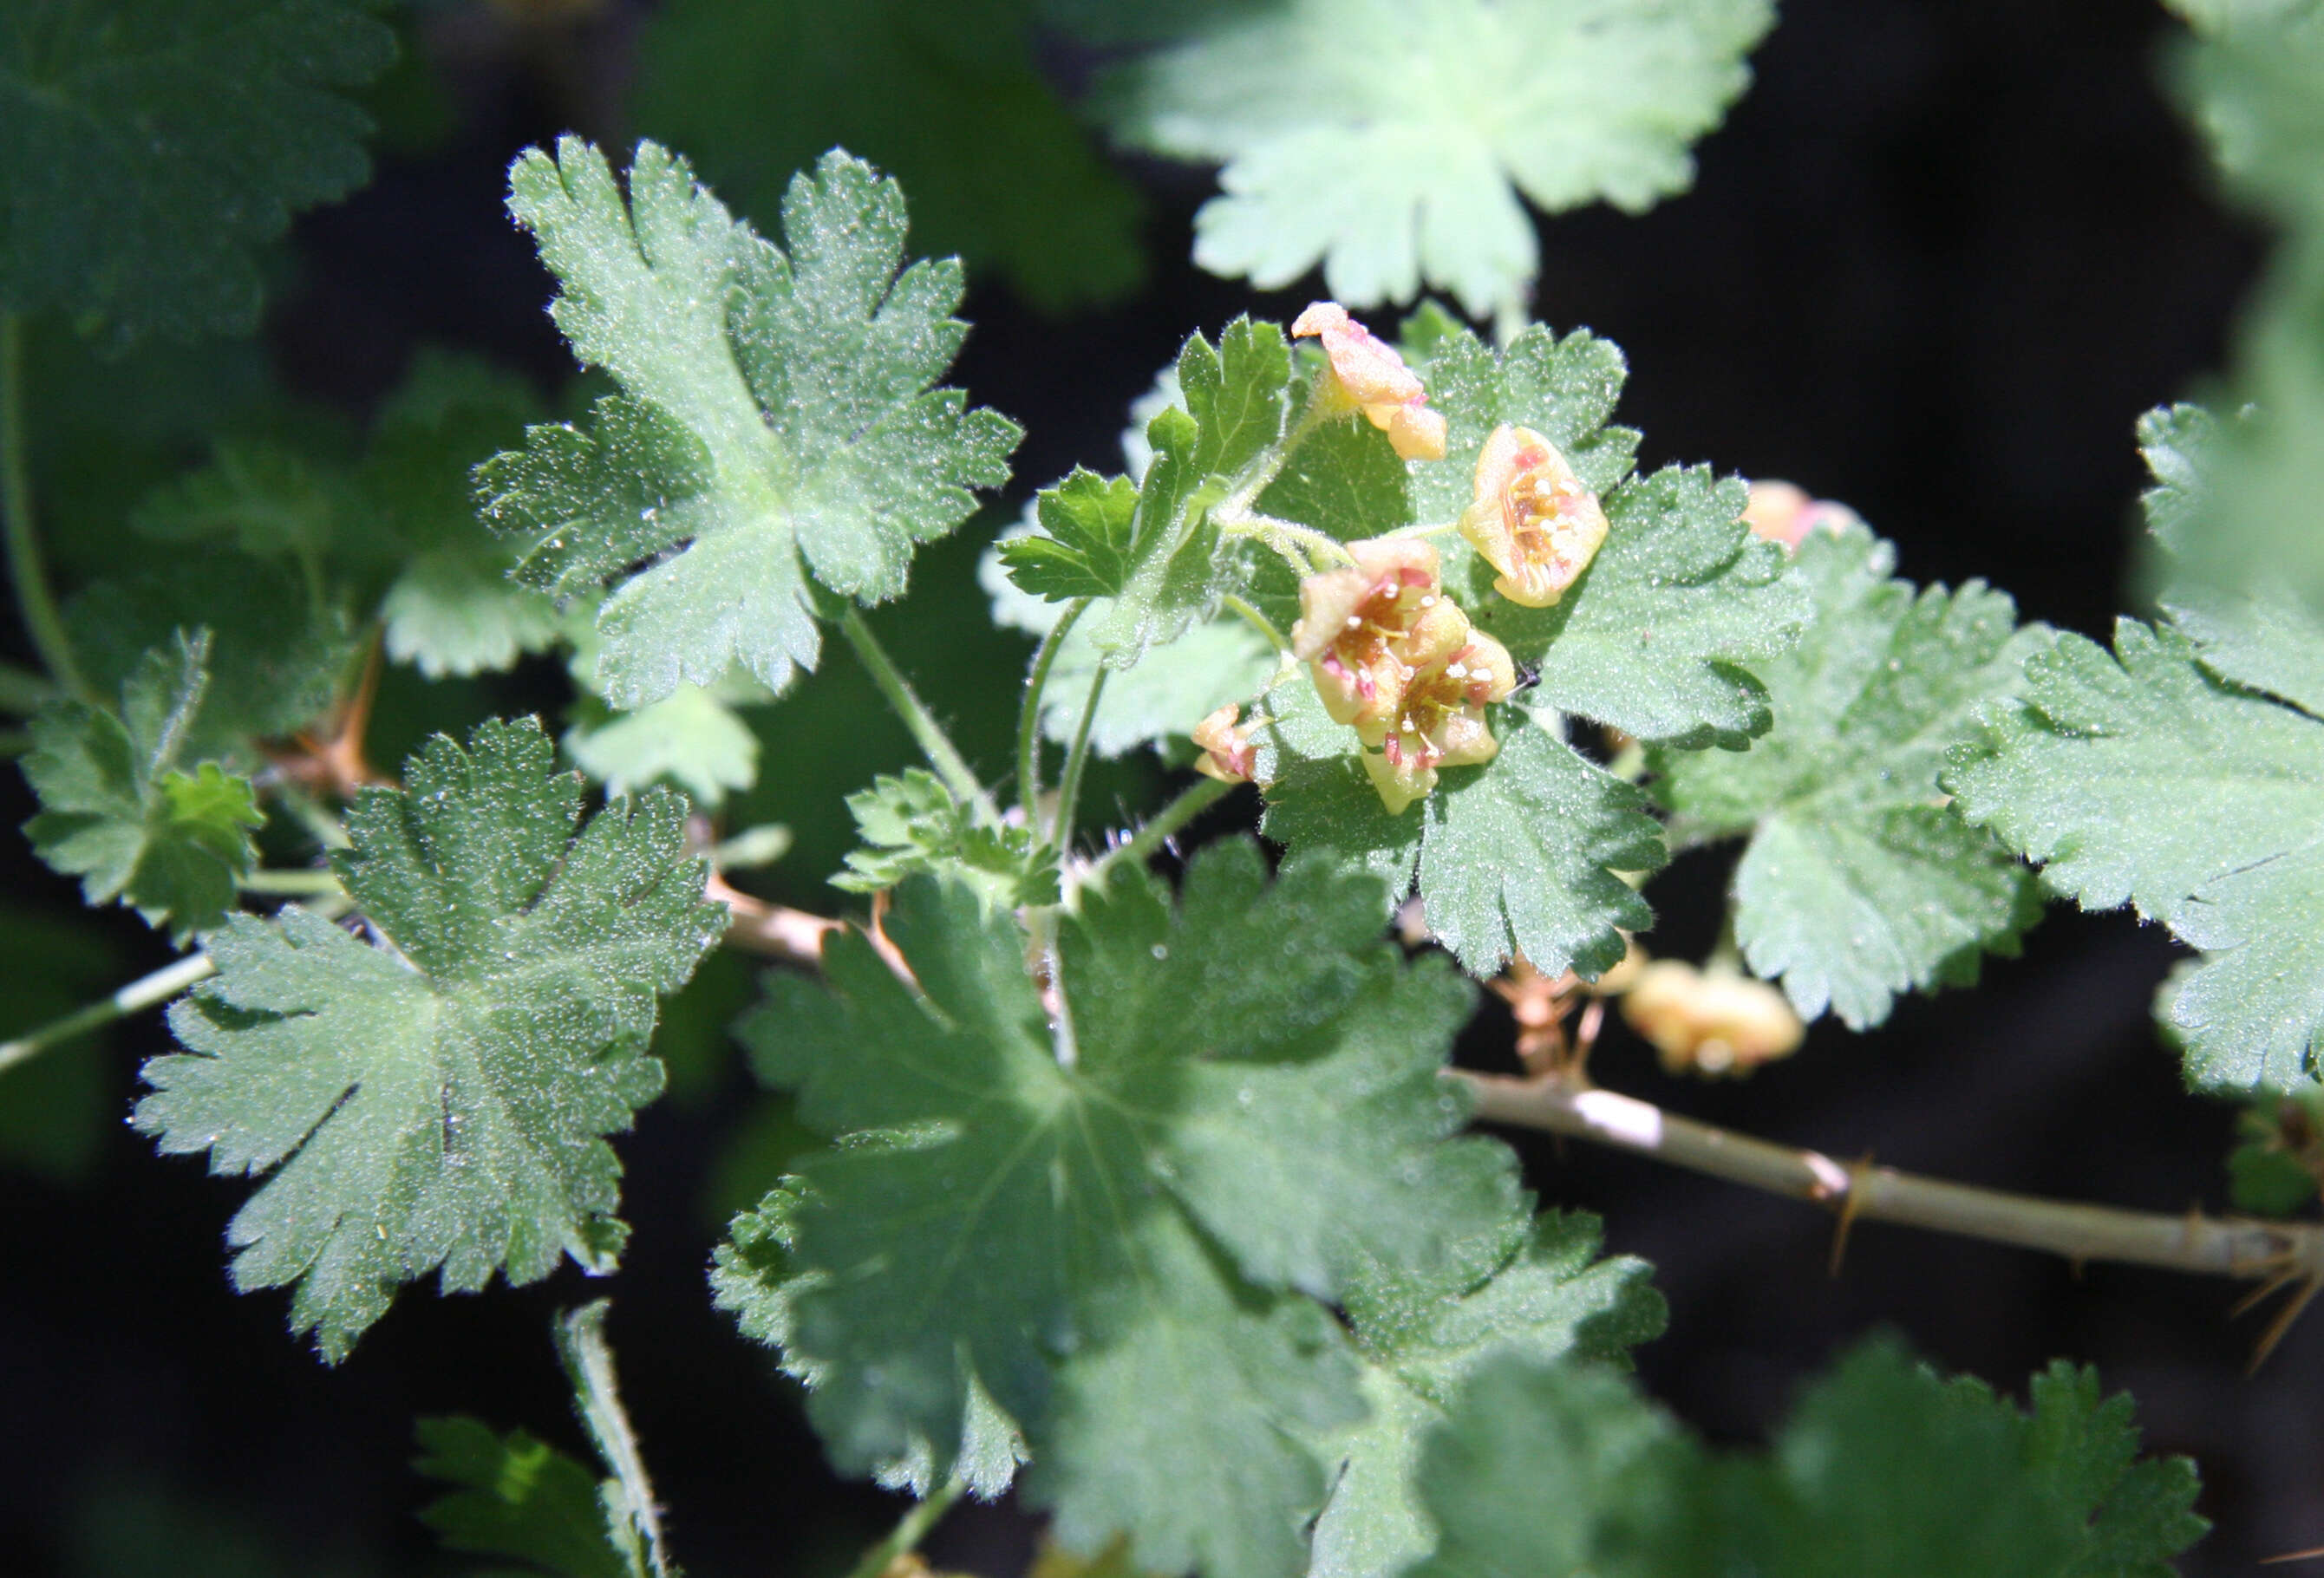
x: 945, y: 94
x: 1883, y: 1468
x: 778, y: 414
x: 2142, y: 778
x: 119, y: 811
x: 1389, y: 142
x: 1112, y: 1263
x: 1858, y: 882
x: 147, y: 146
x: 436, y: 1100
x: 518, y: 1497
x: 1534, y: 1286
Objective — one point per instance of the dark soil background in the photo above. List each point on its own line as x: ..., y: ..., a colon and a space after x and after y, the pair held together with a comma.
x: 1936, y: 263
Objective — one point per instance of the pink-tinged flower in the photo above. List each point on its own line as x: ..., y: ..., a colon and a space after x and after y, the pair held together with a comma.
x: 1367, y: 374
x: 1531, y: 517
x: 1365, y: 630
x: 1228, y: 755
x: 1714, y: 1020
x: 1782, y: 512
x: 1440, y: 721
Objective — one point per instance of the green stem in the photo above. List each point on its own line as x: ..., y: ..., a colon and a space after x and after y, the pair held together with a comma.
x: 1028, y: 716
x: 323, y: 827
x: 934, y: 744
x: 1069, y: 787
x: 1204, y: 793
x: 26, y: 569
x: 294, y: 883
x: 910, y: 1531
x: 598, y: 1395
x: 1258, y: 620
x: 161, y: 986
x: 22, y: 691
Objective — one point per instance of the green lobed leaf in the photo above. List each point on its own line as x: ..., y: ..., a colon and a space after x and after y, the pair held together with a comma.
x: 911, y: 822
x: 775, y: 407
x: 1389, y: 142
x: 148, y: 146
x: 453, y: 607
x: 1534, y: 1286
x: 518, y: 1497
x: 119, y: 811
x: 1859, y: 883
x: 695, y: 737
x: 1231, y: 410
x: 437, y: 1100
x: 1883, y: 1468
x: 2141, y: 777
x: 1110, y: 1264
x: 2250, y: 84
x: 276, y: 655
x: 946, y: 94
x: 1087, y: 522
x: 2250, y: 621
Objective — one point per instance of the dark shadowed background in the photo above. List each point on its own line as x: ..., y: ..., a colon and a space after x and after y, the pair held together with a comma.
x: 1937, y: 262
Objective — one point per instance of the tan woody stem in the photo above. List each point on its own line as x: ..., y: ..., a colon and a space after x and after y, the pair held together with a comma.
x: 2212, y: 1246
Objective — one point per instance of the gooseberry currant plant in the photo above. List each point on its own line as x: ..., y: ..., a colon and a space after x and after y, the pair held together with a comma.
x: 1156, y: 1200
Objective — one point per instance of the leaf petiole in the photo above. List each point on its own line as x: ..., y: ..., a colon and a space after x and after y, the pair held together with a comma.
x: 910, y: 1531
x: 927, y: 732
x: 1028, y: 715
x: 27, y: 571
x: 158, y: 987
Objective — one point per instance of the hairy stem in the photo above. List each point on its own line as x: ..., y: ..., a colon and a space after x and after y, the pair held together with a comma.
x: 26, y: 570
x: 933, y: 742
x: 289, y: 882
x: 2193, y: 1242
x: 1258, y: 620
x: 158, y: 987
x: 1028, y: 715
x: 1198, y: 798
x: 22, y: 691
x: 1069, y: 785
x: 910, y: 1531
x: 596, y: 1396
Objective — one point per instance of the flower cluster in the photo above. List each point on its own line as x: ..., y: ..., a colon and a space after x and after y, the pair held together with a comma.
x: 1532, y: 518
x: 1367, y: 374
x: 1395, y: 657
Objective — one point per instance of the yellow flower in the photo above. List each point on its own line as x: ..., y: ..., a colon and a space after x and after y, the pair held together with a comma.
x: 1364, y: 630
x: 1782, y: 512
x: 1714, y: 1020
x: 1395, y: 657
x: 1367, y: 374
x: 1228, y: 753
x: 1531, y: 517
x: 1440, y: 721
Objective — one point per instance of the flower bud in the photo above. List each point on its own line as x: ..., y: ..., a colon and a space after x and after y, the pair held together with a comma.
x: 1531, y: 517
x: 1714, y: 1020
x: 1228, y: 753
x: 1782, y: 512
x: 1367, y: 374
